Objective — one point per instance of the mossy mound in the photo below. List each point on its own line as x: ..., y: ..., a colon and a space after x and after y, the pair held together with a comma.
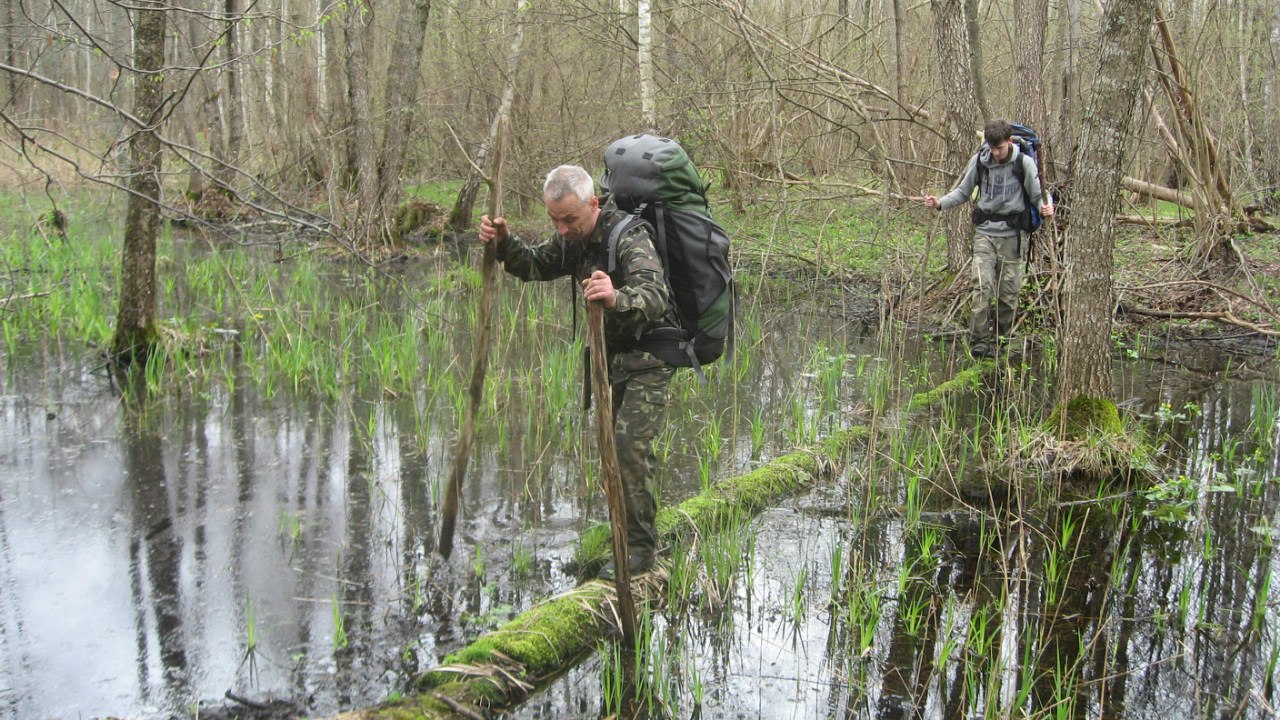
x: 1085, y: 417
x: 1086, y: 440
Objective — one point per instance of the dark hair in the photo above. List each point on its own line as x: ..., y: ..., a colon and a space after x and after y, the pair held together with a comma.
x: 996, y: 132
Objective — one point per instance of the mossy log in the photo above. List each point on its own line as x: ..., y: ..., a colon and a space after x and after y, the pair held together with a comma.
x: 501, y: 668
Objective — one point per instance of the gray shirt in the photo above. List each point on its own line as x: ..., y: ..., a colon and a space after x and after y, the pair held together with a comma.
x: 1000, y: 194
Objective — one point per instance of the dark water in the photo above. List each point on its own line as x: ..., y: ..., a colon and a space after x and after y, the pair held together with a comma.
x: 157, y: 554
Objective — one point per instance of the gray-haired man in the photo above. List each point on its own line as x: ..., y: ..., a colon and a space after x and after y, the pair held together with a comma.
x: 636, y: 301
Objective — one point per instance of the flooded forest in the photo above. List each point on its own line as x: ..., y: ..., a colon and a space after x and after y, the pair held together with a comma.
x: 244, y: 305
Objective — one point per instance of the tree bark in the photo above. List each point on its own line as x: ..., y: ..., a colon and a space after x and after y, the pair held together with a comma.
x: 135, y: 333
x: 1271, y: 151
x: 362, y: 148
x: 903, y: 144
x: 1030, y: 108
x: 1158, y: 192
x: 960, y: 102
x: 1067, y: 136
x: 13, y: 82
x: 971, y: 21
x: 337, y: 119
x: 402, y: 91
x: 1217, y: 213
x: 1085, y: 334
x: 232, y: 102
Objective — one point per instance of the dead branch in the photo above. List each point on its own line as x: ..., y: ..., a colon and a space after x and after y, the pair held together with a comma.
x: 1159, y: 192
x: 1218, y: 316
x: 1201, y: 283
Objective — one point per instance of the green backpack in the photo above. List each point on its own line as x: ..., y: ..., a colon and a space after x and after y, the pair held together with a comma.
x: 653, y: 179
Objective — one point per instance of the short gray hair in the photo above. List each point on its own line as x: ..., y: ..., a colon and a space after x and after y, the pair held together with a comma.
x: 569, y: 179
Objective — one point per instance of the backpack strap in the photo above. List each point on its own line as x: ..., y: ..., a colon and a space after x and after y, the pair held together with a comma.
x: 663, y: 342
x: 619, y: 229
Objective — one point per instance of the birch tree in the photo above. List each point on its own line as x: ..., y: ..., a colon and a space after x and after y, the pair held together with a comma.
x: 644, y: 57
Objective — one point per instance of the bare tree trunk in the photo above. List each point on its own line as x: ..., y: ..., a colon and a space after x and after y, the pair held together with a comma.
x: 192, y: 113
x: 960, y: 101
x: 1030, y: 108
x: 971, y: 19
x: 644, y: 44
x: 232, y: 102
x: 1158, y: 192
x: 135, y: 332
x: 14, y: 84
x: 903, y: 143
x: 1217, y: 212
x: 402, y: 97
x: 304, y: 101
x: 337, y: 121
x: 1085, y: 335
x: 362, y: 147
x: 1067, y: 136
x: 1271, y: 146
x: 1032, y: 18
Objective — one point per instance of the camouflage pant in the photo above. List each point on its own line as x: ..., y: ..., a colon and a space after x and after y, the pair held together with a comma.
x: 997, y: 276
x: 639, y: 383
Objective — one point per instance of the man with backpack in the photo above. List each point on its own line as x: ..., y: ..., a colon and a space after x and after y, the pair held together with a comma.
x: 1009, y: 190
x: 637, y: 302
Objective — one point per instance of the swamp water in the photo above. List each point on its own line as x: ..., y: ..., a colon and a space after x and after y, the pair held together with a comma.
x: 260, y: 523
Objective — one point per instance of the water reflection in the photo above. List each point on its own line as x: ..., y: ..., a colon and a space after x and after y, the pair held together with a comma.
x: 155, y: 563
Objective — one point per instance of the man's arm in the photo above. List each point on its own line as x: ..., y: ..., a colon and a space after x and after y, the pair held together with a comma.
x: 643, y: 298
x: 964, y: 189
x: 1031, y: 183
x: 543, y: 260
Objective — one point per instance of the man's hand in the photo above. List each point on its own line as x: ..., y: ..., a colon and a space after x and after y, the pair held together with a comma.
x: 491, y: 230
x: 1046, y: 209
x: 933, y: 202
x: 599, y: 287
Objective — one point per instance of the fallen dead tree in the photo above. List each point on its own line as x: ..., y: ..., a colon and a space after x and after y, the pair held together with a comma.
x: 504, y: 667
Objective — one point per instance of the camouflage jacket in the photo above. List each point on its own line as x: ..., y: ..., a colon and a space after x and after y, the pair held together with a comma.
x: 644, y: 300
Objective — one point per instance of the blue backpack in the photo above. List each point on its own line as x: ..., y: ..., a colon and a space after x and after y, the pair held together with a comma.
x: 1028, y: 144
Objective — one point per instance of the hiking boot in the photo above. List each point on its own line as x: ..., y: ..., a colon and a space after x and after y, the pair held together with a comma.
x: 640, y: 562
x: 980, y: 350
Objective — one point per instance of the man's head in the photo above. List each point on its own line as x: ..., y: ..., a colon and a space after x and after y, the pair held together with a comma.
x: 570, y: 196
x: 996, y: 134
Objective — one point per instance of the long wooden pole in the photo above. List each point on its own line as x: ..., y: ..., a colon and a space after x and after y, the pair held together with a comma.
x: 480, y: 357
x: 602, y: 397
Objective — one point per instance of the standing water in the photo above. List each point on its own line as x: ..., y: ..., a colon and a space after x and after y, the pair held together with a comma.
x: 253, y: 523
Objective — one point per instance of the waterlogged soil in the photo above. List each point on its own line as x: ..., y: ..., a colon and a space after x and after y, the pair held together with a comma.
x: 247, y: 545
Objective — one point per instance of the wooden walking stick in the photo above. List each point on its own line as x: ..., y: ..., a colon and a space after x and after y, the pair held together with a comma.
x: 480, y: 359
x: 602, y: 397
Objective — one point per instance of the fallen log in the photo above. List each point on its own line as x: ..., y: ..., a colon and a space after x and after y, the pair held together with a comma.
x: 1159, y: 192
x: 503, y: 667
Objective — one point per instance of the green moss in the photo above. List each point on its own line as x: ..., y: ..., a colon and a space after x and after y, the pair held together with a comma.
x: 540, y: 640
x: 966, y: 379
x: 1084, y: 416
